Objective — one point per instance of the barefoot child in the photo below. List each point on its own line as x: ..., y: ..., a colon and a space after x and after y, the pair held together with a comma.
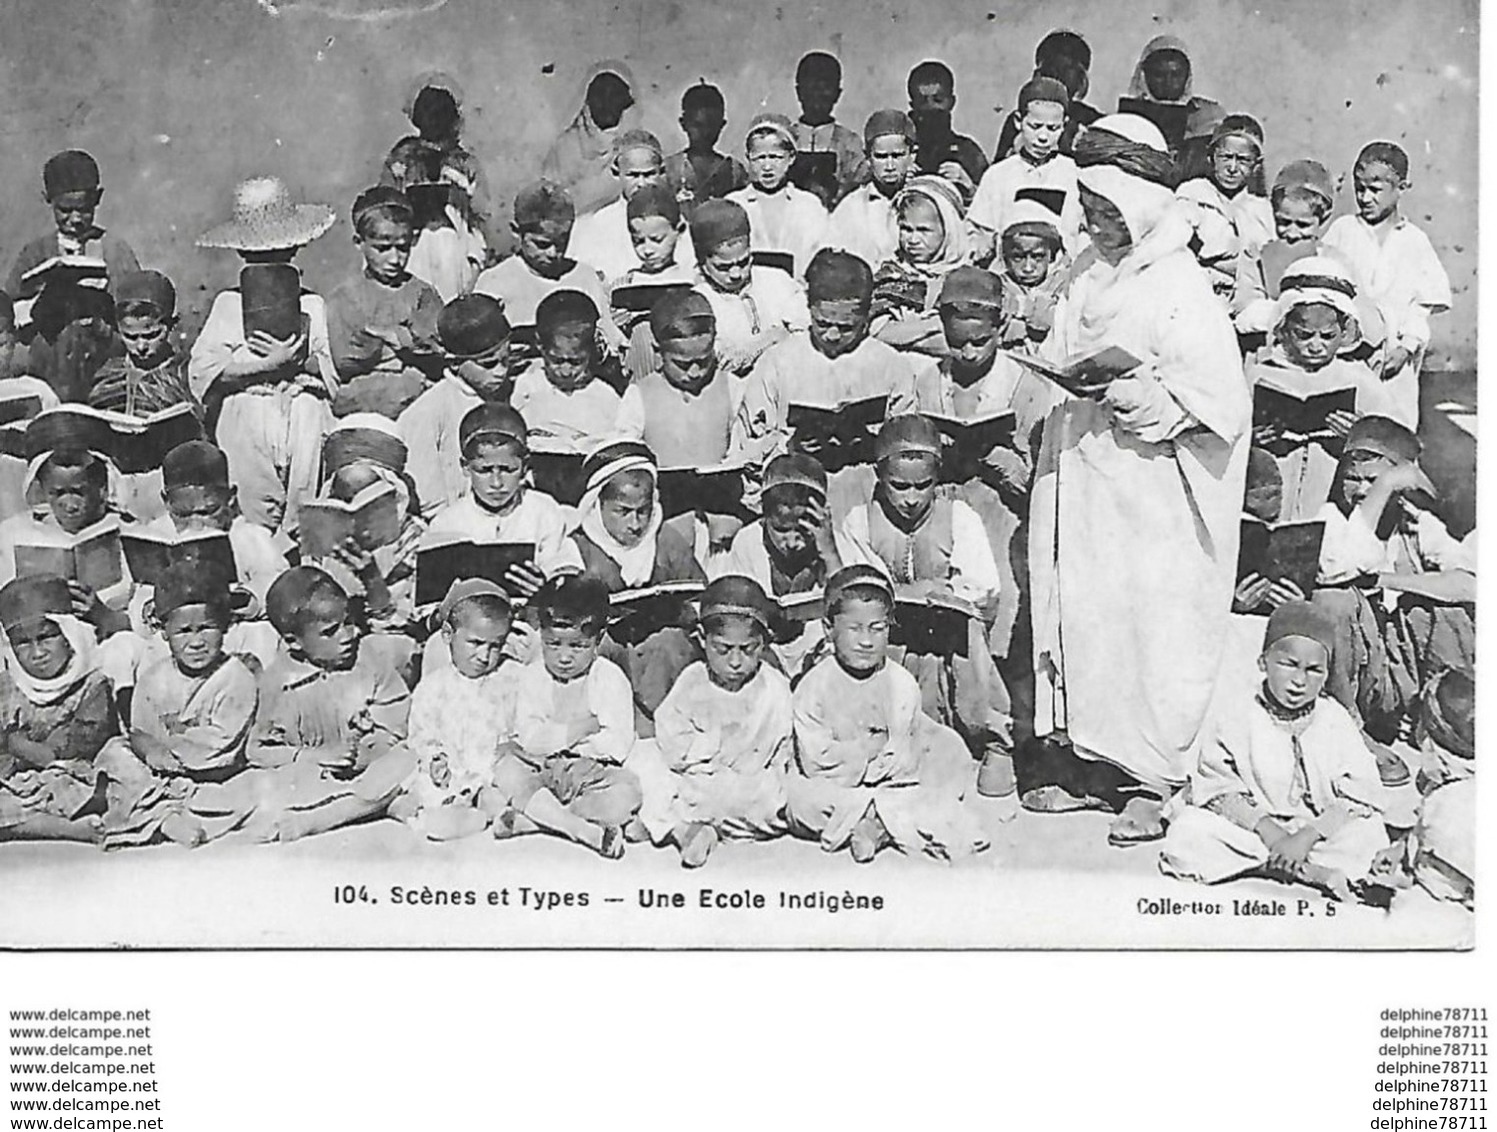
x: 460, y: 714
x: 272, y: 395
x: 56, y: 712
x: 1288, y: 787
x: 574, y: 728
x: 722, y: 734
x: 190, y: 720
x: 872, y: 769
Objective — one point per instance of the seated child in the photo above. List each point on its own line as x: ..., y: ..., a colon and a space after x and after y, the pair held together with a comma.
x: 1446, y: 733
x: 475, y: 337
x: 271, y: 396
x: 575, y: 395
x: 1398, y: 587
x: 1287, y: 787
x: 328, y: 747
x: 543, y: 226
x: 782, y: 217
x: 190, y: 720
x: 1232, y: 219
x: 688, y: 408
x: 698, y: 172
x: 1038, y: 163
x: 1317, y: 315
x: 601, y: 238
x: 930, y: 543
x: 1035, y: 273
x: 460, y: 714
x: 1396, y: 263
x: 872, y: 769
x: 56, y: 712
x: 722, y: 746
x: 563, y: 772
x: 382, y: 325
x: 792, y: 550
x: 863, y: 222
x: 624, y: 545
x: 755, y: 307
x: 933, y: 242
x: 151, y: 376
x: 818, y: 86
x: 835, y: 361
x: 500, y: 506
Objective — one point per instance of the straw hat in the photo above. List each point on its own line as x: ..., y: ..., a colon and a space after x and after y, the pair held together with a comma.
x: 267, y: 219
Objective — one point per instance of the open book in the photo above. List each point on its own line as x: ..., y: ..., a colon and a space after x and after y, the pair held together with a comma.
x: 17, y: 411
x: 640, y: 298
x: 763, y: 257
x: 1281, y: 551
x: 91, y: 557
x: 716, y: 489
x: 437, y: 567
x: 149, y: 553
x: 555, y: 471
x: 271, y: 298
x: 976, y: 436
x: 837, y: 435
x: 1082, y: 375
x: 639, y: 611
x: 1300, y: 403
x: 68, y: 270
x: 931, y: 622
x: 371, y: 518
x: 135, y: 444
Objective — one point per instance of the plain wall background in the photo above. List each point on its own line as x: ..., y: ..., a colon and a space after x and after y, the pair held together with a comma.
x: 179, y: 99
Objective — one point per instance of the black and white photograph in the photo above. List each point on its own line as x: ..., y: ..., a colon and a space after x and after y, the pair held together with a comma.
x: 858, y: 475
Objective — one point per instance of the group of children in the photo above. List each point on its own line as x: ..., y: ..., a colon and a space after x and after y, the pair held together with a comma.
x: 754, y: 441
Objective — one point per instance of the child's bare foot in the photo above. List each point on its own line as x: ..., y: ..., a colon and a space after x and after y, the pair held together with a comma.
x: 611, y: 843
x: 868, y: 837
x: 696, y: 843
x: 184, y: 830
x: 635, y: 831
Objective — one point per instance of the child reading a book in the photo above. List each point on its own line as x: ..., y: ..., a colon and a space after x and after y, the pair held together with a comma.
x: 699, y: 173
x: 1287, y: 787
x: 602, y: 238
x: 791, y: 551
x: 328, y: 747
x: 935, y: 544
x: 575, y: 395
x: 1398, y: 586
x: 1231, y: 217
x: 190, y: 720
x: 1395, y: 261
x: 819, y: 136
x: 625, y: 545
x: 863, y: 222
x: 475, y: 338
x: 1038, y: 163
x: 382, y: 324
x: 783, y: 218
x: 871, y: 768
x: 755, y: 306
x: 716, y: 768
x: 500, y: 507
x: 563, y: 772
x: 271, y: 394
x: 933, y: 242
x: 1035, y: 272
x: 1316, y: 320
x: 56, y: 712
x: 460, y: 715
x: 834, y: 362
x: 543, y: 223
x: 654, y: 227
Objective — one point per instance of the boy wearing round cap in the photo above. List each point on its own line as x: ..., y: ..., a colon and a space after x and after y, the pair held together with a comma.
x: 1064, y: 55
x: 698, y: 172
x: 601, y: 238
x: 716, y: 767
x: 56, y: 712
x: 544, y: 219
x: 475, y: 336
x: 783, y: 218
x: 1398, y: 586
x: 1287, y: 788
x: 863, y: 222
x: 382, y: 324
x: 272, y: 395
x: 1231, y: 216
x: 755, y: 307
x: 190, y: 719
x: 872, y: 770
x: 1034, y: 268
x: 1037, y: 163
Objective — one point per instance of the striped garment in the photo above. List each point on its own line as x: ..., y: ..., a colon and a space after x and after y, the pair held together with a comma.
x: 124, y: 387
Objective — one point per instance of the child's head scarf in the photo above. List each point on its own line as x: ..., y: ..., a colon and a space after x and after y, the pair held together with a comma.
x: 26, y: 601
x: 1138, y: 86
x: 956, y: 244
x: 636, y: 563
x: 1318, y: 279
